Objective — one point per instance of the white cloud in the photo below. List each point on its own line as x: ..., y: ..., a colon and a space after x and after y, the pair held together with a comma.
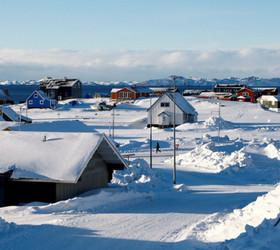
x: 16, y: 64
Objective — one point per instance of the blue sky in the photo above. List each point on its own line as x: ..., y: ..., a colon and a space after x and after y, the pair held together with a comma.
x: 103, y: 26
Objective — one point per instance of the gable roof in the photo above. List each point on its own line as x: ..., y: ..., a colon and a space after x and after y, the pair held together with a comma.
x: 115, y: 90
x: 61, y: 158
x: 40, y: 93
x: 270, y: 97
x: 51, y: 83
x: 180, y: 102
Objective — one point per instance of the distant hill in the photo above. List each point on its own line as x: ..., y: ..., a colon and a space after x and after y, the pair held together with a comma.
x: 180, y: 82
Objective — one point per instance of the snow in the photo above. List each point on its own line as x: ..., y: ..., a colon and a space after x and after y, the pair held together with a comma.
x: 62, y: 156
x: 221, y: 227
x: 226, y: 196
x: 211, y: 158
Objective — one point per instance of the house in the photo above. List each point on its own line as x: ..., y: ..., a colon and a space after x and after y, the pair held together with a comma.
x: 39, y: 99
x: 61, y: 89
x: 123, y: 94
x: 246, y: 95
x: 5, y: 97
x: 54, y: 166
x: 160, y: 114
x: 270, y: 102
x: 129, y: 93
x: 228, y: 88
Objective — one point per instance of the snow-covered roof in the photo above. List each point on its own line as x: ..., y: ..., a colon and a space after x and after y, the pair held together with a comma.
x: 62, y: 157
x: 13, y: 116
x: 50, y: 83
x: 115, y: 90
x: 270, y: 97
x: 180, y: 101
x: 159, y: 89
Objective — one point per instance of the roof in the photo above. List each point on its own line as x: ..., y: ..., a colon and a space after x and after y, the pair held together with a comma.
x: 271, y: 97
x: 180, y: 101
x: 115, y: 90
x: 61, y: 158
x: 51, y: 83
x: 159, y: 89
x: 11, y: 115
x: 40, y: 92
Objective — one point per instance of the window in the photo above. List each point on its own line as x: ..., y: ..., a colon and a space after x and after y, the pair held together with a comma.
x: 164, y: 104
x: 124, y: 95
x: 245, y: 94
x: 41, y: 102
x: 35, y: 95
x: 30, y: 102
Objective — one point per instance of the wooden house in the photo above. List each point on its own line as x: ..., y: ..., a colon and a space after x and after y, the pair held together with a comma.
x: 246, y: 95
x: 61, y: 89
x: 228, y: 88
x: 129, y: 93
x: 160, y: 114
x: 39, y: 99
x: 54, y: 166
x: 270, y: 102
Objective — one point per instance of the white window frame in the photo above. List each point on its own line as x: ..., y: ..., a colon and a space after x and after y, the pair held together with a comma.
x: 41, y: 102
x: 30, y: 102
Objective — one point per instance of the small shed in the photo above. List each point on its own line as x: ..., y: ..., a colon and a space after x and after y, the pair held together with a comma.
x: 39, y: 99
x: 270, y: 102
x: 54, y: 166
x: 160, y: 114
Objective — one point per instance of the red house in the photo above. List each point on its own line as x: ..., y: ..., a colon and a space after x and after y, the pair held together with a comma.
x: 246, y: 95
x: 128, y: 94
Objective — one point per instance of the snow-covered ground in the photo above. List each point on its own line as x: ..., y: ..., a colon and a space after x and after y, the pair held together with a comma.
x: 220, y: 200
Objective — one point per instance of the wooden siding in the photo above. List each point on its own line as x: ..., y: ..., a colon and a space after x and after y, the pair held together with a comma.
x: 96, y: 175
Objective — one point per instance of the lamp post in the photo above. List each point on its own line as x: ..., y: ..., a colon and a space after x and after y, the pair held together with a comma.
x: 151, y: 134
x: 113, y: 124
x: 174, y: 77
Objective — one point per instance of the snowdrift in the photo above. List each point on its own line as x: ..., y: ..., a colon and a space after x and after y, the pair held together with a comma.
x: 214, y: 122
x: 221, y: 227
x: 212, y: 157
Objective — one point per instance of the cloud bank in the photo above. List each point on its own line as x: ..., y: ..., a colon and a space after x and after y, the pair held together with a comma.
x: 16, y: 64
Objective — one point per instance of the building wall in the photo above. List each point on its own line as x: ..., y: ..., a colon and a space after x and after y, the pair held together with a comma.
x: 96, y: 175
x: 248, y: 93
x: 157, y: 109
x: 36, y: 101
x: 124, y: 94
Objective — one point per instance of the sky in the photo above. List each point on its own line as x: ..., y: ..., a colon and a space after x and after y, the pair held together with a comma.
x: 138, y: 40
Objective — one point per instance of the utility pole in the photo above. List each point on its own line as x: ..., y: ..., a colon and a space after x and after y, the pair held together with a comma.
x: 219, y: 129
x: 151, y: 134
x: 113, y: 124
x: 173, y: 77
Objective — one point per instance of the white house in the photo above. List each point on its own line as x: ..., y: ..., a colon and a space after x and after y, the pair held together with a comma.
x: 160, y: 114
x: 270, y: 102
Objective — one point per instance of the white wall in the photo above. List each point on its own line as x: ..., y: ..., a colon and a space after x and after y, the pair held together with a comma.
x: 157, y: 109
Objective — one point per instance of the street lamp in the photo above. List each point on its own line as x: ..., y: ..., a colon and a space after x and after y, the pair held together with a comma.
x: 151, y: 134
x: 174, y: 77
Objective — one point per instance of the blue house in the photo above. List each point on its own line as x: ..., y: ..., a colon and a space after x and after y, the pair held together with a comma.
x: 38, y: 99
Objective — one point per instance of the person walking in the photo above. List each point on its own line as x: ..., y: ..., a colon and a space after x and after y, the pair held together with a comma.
x: 158, y: 148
